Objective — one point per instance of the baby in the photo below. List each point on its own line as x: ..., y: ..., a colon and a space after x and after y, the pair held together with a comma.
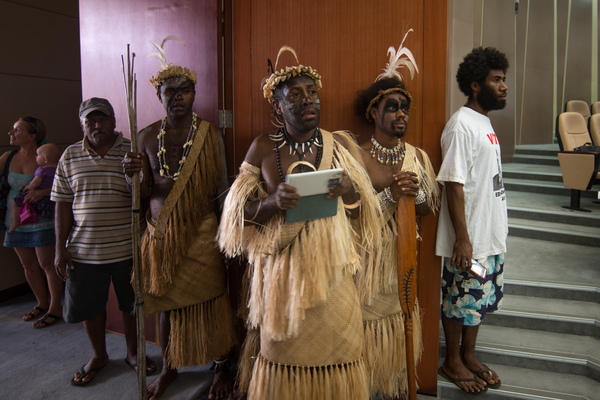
x: 47, y: 159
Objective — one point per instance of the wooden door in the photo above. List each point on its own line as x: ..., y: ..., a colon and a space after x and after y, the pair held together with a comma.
x: 347, y: 41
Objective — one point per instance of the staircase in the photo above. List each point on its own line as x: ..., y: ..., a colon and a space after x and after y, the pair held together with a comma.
x: 545, y: 342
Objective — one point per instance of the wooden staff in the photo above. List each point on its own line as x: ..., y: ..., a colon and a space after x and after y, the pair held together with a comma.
x: 407, y: 280
x: 131, y: 94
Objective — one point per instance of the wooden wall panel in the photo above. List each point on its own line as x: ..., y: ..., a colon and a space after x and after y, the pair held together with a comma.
x: 347, y: 43
x: 39, y: 76
x: 107, y: 26
x: 433, y: 108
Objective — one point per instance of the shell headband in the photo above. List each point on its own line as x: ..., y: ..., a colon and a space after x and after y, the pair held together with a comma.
x: 403, y: 57
x: 168, y: 70
x: 287, y: 73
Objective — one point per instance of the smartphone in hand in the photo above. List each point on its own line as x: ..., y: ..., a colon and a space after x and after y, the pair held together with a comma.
x: 477, y: 269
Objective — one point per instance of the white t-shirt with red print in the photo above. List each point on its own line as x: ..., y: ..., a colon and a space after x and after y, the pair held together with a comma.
x: 471, y: 157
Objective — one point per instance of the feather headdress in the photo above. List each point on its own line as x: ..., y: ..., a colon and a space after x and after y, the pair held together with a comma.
x: 278, y: 77
x: 403, y: 57
x: 400, y: 58
x: 168, y: 70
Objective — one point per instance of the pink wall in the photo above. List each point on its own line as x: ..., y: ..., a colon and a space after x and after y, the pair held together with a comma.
x: 107, y: 26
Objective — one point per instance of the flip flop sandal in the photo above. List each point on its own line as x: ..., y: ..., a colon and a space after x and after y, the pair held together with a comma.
x: 85, y: 373
x: 43, y: 323
x: 456, y: 380
x: 488, y: 371
x: 31, y: 316
x: 149, y: 370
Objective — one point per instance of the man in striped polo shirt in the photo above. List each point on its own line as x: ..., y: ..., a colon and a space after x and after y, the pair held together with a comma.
x: 93, y: 233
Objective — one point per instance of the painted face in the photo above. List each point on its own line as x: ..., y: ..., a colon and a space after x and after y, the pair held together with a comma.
x: 299, y: 105
x: 20, y: 134
x: 177, y: 96
x: 99, y: 129
x: 391, y: 116
x: 492, y: 95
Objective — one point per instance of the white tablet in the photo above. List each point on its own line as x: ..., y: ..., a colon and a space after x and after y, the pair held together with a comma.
x: 313, y: 188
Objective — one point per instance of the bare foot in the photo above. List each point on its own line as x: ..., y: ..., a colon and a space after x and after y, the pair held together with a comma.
x: 222, y: 384
x: 158, y: 386
x: 463, y: 378
x: 88, y: 372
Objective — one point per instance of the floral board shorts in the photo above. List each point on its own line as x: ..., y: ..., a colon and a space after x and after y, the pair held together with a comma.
x: 465, y: 298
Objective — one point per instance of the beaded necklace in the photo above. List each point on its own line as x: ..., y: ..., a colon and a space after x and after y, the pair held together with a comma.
x: 385, y: 155
x: 161, y: 155
x: 296, y: 148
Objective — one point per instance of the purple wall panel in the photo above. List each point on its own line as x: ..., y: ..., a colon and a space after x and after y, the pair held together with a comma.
x: 107, y: 26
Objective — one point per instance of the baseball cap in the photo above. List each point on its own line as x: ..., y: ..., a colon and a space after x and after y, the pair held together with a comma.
x: 95, y: 104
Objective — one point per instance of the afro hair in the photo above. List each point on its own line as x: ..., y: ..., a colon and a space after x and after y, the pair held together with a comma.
x: 476, y: 66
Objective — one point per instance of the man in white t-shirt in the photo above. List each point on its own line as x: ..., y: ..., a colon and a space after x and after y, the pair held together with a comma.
x: 473, y: 222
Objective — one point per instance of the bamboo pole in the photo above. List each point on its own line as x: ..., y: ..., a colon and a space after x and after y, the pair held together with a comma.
x: 131, y: 95
x: 407, y: 280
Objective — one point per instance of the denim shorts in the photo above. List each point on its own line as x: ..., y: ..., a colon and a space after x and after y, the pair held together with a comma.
x: 87, y: 286
x: 30, y: 239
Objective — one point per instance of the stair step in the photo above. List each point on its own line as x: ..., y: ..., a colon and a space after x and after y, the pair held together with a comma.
x: 551, y: 202
x: 552, y: 188
x: 547, y: 314
x: 554, y: 232
x: 552, y: 307
x: 530, y: 168
x: 526, y: 384
x: 552, y: 264
x: 549, y: 322
x: 537, y: 172
x: 561, y: 216
x: 537, y: 176
x: 537, y: 149
x: 535, y: 159
x: 541, y: 351
x: 552, y: 290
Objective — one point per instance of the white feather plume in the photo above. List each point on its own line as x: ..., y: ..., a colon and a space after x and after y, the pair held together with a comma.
x: 282, y: 50
x: 160, y: 54
x: 403, y: 57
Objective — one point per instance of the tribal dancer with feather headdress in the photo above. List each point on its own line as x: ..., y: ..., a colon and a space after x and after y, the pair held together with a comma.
x: 182, y: 172
x: 396, y: 169
x: 302, y: 295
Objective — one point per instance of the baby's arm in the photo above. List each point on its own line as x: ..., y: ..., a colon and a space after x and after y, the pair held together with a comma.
x: 35, y: 182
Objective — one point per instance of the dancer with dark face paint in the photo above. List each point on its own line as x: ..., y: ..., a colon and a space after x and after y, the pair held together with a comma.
x: 183, y: 173
x: 473, y: 220
x: 302, y: 295
x: 397, y: 170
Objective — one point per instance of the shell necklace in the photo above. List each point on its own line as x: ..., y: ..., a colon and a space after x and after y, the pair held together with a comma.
x: 301, y: 149
x: 385, y: 155
x: 162, y: 152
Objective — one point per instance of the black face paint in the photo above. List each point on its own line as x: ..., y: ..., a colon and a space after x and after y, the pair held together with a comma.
x: 177, y: 96
x: 390, y: 121
x: 392, y: 106
x: 300, y: 105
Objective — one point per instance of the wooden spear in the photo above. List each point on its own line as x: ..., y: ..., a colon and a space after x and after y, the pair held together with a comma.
x: 407, y: 275
x: 130, y: 81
